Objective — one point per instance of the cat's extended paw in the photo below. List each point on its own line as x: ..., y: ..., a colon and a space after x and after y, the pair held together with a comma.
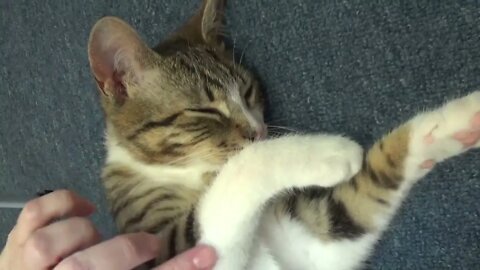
x: 341, y: 168
x: 448, y: 131
x: 327, y: 161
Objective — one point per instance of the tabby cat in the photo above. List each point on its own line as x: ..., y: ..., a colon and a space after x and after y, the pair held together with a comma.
x: 186, y: 159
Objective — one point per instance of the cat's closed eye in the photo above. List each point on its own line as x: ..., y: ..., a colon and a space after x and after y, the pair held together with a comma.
x: 211, y: 113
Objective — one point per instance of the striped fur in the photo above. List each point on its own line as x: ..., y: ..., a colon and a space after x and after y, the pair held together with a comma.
x: 180, y: 121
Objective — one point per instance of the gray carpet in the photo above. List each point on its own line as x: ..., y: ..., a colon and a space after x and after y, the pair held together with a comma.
x: 355, y: 67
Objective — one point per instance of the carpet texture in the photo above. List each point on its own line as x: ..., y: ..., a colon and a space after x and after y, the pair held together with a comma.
x: 354, y: 67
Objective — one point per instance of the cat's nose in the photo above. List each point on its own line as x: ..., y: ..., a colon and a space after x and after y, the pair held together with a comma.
x: 254, y: 134
x: 261, y: 132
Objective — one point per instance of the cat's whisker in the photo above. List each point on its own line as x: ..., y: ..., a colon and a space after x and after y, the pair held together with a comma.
x: 276, y: 135
x: 273, y: 136
x: 279, y: 131
x: 282, y: 128
x: 243, y: 51
x: 233, y: 52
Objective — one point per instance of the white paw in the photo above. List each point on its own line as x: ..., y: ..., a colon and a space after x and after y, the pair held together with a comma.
x: 224, y: 263
x: 448, y: 131
x: 324, y: 160
x: 342, y: 169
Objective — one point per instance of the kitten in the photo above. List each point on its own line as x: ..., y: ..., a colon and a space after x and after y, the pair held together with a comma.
x: 180, y: 122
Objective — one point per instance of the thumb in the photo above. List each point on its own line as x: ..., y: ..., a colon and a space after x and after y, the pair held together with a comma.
x: 198, y: 258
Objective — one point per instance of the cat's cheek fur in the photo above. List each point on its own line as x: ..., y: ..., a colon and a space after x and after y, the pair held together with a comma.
x: 159, y: 174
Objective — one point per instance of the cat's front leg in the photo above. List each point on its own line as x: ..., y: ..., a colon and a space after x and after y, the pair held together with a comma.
x: 404, y: 156
x: 231, y: 209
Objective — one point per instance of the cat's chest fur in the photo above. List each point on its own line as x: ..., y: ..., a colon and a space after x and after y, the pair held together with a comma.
x: 287, y: 241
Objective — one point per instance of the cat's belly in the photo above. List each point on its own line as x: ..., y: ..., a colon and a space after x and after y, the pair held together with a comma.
x: 292, y: 247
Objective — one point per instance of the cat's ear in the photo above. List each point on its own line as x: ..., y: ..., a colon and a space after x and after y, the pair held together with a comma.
x: 212, y: 20
x: 206, y: 26
x: 117, y: 57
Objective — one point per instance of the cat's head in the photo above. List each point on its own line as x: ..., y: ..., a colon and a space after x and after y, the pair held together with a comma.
x: 182, y: 102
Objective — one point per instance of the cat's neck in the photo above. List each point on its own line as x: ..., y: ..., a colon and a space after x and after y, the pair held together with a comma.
x: 192, y: 175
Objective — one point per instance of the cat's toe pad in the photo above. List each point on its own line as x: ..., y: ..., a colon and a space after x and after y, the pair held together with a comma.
x: 476, y: 121
x: 448, y: 131
x: 428, y: 164
x: 467, y: 138
x: 471, y: 136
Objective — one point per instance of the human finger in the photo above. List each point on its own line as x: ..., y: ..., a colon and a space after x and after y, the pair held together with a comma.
x: 198, y: 258
x: 41, y: 211
x: 120, y: 253
x: 49, y: 245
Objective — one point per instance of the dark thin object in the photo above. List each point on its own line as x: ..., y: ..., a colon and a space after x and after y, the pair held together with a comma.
x: 18, y: 202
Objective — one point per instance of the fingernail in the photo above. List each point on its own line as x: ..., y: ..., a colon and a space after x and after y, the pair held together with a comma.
x: 205, y: 257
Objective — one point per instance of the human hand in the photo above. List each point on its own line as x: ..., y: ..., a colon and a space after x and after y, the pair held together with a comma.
x: 38, y: 242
